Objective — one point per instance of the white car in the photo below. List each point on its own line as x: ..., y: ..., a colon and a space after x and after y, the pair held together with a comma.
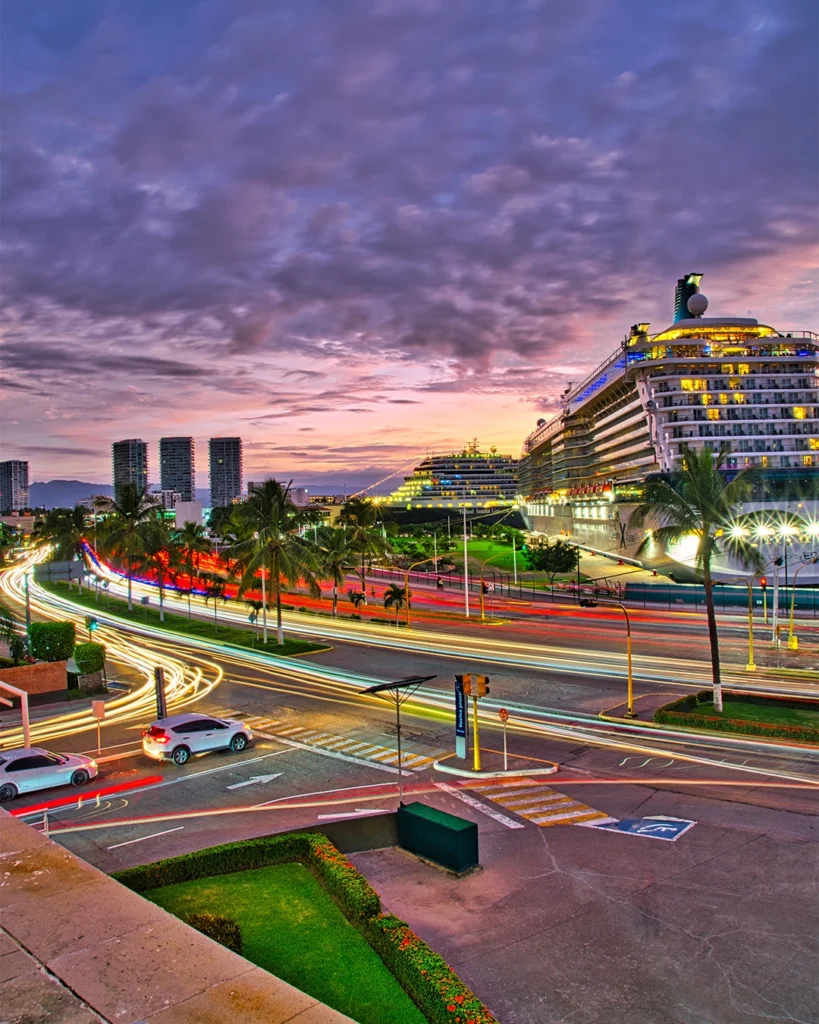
x: 28, y: 769
x: 178, y: 737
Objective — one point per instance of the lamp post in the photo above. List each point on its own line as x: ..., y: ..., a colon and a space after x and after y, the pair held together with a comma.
x: 751, y: 666
x: 264, y: 600
x: 793, y: 642
x: 587, y: 603
x: 407, y: 572
x: 483, y: 564
x: 466, y: 572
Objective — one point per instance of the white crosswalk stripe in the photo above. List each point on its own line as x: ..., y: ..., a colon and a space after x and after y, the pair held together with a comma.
x: 538, y: 803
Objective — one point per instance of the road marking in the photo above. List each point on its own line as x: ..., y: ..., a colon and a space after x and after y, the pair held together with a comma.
x: 357, y: 813
x: 541, y: 805
x: 256, y: 779
x: 334, y: 753
x: 478, y: 806
x: 353, y: 750
x: 221, y: 768
x: 143, y: 838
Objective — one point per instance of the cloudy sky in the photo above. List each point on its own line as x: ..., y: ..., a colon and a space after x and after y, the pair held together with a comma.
x: 352, y: 230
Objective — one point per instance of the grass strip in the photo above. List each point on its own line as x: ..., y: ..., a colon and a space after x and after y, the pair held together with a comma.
x: 233, y: 636
x: 291, y: 927
x: 789, y: 718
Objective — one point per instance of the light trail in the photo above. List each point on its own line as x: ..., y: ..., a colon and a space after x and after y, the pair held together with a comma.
x: 186, y: 680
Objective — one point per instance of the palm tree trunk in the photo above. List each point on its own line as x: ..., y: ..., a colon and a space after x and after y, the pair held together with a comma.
x: 190, y: 586
x: 335, y: 600
x: 712, y: 634
x: 279, y: 628
x: 130, y: 571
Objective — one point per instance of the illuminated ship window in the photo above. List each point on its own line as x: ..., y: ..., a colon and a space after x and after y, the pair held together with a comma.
x: 706, y: 399
x: 723, y: 399
x: 764, y: 461
x: 807, y: 460
x: 727, y: 368
x: 743, y: 368
x: 739, y: 398
x: 688, y: 384
x: 813, y: 444
x: 713, y: 414
x: 799, y: 412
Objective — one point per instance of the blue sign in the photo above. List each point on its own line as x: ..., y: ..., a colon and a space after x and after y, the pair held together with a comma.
x: 669, y: 829
x: 460, y: 720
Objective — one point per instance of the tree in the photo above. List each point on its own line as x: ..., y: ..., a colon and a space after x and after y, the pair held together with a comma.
x: 8, y: 538
x: 395, y: 597
x: 214, y: 591
x: 123, y: 531
x: 64, y: 528
x: 161, y: 555
x: 699, y: 502
x: 10, y: 635
x: 551, y: 557
x: 356, y: 598
x: 257, y: 607
x: 362, y: 516
x: 194, y: 541
x: 274, y: 546
x: 336, y: 553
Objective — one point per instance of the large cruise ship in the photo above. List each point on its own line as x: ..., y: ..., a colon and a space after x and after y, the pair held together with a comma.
x: 701, y: 381
x: 466, y: 479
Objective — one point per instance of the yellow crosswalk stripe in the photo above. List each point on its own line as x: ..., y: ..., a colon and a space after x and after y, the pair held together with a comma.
x: 540, y: 804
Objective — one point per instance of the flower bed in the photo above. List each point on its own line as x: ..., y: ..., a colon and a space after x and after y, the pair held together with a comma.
x: 424, y: 975
x: 696, y: 711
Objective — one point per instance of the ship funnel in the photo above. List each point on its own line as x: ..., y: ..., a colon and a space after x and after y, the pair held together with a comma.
x: 686, y: 287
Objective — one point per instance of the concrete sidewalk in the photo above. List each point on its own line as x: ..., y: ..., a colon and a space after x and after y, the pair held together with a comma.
x: 77, y: 947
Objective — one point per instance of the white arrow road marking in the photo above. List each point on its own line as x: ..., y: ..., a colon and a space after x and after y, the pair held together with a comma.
x: 254, y: 780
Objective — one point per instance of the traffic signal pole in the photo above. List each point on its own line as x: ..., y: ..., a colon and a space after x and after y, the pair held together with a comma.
x: 476, y: 750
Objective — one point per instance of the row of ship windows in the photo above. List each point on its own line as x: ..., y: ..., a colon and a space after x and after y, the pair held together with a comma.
x: 739, y: 398
x: 735, y: 384
x: 800, y: 420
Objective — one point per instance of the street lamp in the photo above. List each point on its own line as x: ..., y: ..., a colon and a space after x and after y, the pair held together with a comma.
x: 751, y: 666
x: 587, y: 603
x: 793, y: 642
x: 407, y: 572
x: 398, y: 693
x: 264, y: 600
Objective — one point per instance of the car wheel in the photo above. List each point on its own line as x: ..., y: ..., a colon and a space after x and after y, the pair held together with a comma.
x: 239, y: 742
x: 181, y: 755
x: 7, y: 792
x: 80, y: 777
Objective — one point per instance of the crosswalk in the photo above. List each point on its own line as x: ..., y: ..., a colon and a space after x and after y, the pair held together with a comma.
x: 354, y: 748
x: 537, y: 803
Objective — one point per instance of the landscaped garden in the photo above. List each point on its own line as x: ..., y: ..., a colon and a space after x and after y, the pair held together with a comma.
x: 778, y: 717
x: 98, y: 602
x: 308, y: 916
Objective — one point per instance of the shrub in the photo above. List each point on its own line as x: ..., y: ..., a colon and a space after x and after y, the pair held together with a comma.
x: 90, y: 657
x: 683, y: 712
x: 223, y: 930
x: 427, y: 978
x: 52, y: 641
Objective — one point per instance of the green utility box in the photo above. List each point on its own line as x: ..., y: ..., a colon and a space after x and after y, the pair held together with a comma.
x: 438, y: 836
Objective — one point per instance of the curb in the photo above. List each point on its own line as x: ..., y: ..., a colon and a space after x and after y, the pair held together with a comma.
x: 468, y: 774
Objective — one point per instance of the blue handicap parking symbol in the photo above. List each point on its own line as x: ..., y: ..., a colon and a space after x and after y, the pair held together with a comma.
x: 669, y: 829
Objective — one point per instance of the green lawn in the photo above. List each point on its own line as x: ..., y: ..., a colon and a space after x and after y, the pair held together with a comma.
x: 292, y: 928
x: 807, y: 717
x: 174, y: 623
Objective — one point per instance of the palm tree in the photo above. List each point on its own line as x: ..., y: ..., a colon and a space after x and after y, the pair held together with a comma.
x: 336, y: 556
x: 356, y: 598
x: 699, y: 502
x: 362, y: 516
x: 214, y: 591
x: 394, y: 597
x: 161, y: 555
x: 193, y: 539
x: 65, y: 529
x: 257, y: 607
x: 124, y: 527
x: 274, y: 546
x: 10, y: 635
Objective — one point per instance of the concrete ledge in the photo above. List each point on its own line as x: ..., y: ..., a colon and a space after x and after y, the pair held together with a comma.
x: 121, y: 956
x: 512, y: 773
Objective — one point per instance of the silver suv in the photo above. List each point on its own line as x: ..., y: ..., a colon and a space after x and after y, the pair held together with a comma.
x: 28, y: 769
x: 178, y: 737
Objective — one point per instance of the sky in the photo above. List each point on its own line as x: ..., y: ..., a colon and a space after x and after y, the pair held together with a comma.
x: 352, y: 231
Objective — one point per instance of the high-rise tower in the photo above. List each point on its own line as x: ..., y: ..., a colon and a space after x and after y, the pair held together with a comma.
x: 177, y: 466
x: 130, y: 459
x: 13, y: 485
x: 225, y: 470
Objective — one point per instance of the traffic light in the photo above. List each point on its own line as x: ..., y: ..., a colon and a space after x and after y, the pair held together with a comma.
x: 482, y: 686
x: 586, y: 602
x: 763, y: 582
x: 466, y: 684
x: 90, y: 623
x: 473, y: 686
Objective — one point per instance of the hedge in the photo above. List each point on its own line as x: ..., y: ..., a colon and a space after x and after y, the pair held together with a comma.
x: 424, y: 975
x: 683, y: 712
x: 90, y: 657
x: 52, y: 641
x: 223, y: 930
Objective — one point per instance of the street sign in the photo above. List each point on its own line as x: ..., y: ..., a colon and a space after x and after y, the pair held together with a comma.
x: 73, y: 570
x: 145, y: 600
x: 98, y: 709
x: 669, y: 829
x: 159, y: 688
x: 503, y: 715
x: 460, y: 718
x: 251, y: 617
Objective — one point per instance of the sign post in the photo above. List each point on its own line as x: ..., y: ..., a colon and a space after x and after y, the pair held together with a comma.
x: 503, y: 715
x: 98, y: 711
x: 159, y: 684
x: 461, y: 718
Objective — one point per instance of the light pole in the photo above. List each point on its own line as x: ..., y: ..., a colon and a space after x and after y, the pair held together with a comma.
x: 264, y: 600
x: 793, y: 642
x: 407, y: 572
x: 587, y: 603
x: 483, y: 564
x: 28, y: 616
x: 514, y: 560
x: 466, y: 573
x: 751, y: 666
